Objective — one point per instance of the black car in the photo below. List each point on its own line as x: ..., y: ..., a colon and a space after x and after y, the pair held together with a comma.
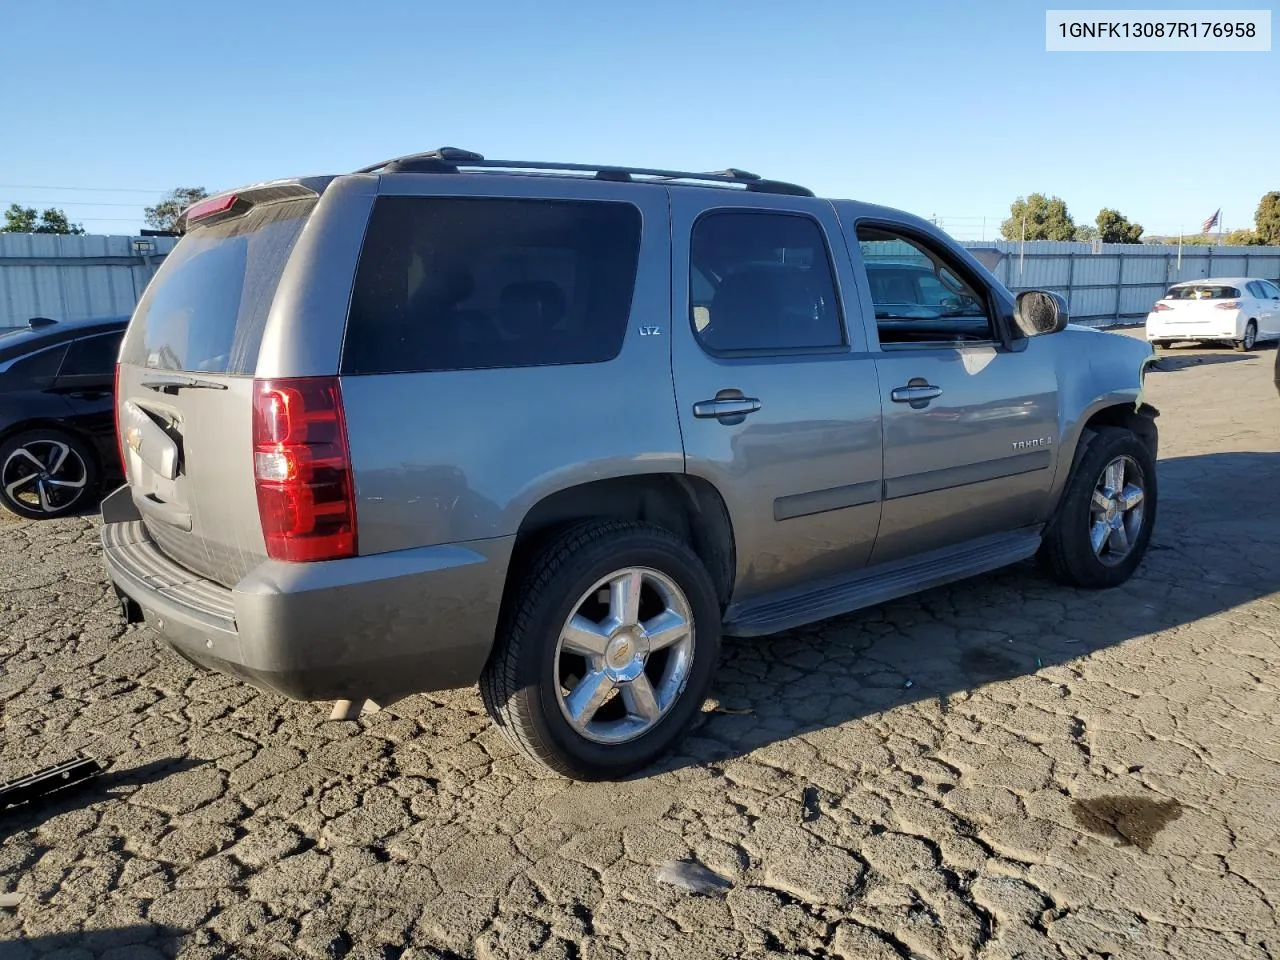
x: 57, y: 421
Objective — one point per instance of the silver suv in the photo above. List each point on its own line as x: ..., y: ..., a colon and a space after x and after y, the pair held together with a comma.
x: 558, y: 428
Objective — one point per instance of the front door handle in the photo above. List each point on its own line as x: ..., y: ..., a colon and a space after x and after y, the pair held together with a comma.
x: 914, y: 393
x: 726, y: 409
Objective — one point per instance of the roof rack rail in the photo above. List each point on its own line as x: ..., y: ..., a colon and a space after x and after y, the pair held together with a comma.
x: 450, y: 159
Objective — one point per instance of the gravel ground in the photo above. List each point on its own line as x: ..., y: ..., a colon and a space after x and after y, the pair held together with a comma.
x: 999, y: 769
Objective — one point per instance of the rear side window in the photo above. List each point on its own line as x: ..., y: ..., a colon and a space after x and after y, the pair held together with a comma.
x: 468, y: 283
x: 762, y: 282
x: 206, y: 308
x: 92, y: 356
x: 36, y: 369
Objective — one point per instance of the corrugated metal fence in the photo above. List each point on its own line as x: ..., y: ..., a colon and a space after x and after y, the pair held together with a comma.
x: 69, y: 278
x: 1120, y: 281
x: 73, y: 277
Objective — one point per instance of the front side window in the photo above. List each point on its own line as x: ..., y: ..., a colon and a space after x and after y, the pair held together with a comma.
x: 1269, y: 290
x: 920, y: 294
x: 473, y: 283
x: 762, y: 282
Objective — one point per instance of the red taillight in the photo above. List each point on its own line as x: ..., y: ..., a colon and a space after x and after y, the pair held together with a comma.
x: 1227, y: 305
x: 207, y: 208
x: 302, y: 469
x: 115, y: 405
x: 1160, y: 305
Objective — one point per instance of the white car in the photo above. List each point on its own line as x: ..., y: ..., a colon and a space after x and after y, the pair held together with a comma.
x: 1242, y: 310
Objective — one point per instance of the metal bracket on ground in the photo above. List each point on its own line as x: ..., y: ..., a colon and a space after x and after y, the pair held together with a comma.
x: 60, y: 776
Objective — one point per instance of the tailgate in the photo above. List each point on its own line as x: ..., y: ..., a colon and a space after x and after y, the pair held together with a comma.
x: 185, y: 396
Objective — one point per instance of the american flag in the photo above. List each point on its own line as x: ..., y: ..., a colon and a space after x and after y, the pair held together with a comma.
x: 1211, y: 222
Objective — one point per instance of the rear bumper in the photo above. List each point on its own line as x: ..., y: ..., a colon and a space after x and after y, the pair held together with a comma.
x: 377, y: 627
x: 1228, y: 327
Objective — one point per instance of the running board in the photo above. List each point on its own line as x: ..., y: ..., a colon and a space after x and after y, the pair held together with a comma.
x: 868, y: 587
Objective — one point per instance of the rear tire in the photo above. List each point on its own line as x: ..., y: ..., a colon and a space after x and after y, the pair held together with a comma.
x: 587, y: 681
x: 47, y: 473
x: 1104, y: 522
x: 1250, y: 338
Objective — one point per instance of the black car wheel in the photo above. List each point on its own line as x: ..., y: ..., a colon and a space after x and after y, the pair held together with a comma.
x: 46, y: 473
x: 606, y: 650
x: 1104, y: 523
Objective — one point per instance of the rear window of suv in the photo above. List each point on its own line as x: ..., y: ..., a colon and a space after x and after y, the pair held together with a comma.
x: 207, y: 307
x: 474, y: 283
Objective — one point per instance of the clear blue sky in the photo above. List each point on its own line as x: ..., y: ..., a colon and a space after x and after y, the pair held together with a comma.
x: 942, y: 108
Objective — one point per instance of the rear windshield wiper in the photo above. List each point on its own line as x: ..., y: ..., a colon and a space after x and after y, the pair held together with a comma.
x: 174, y: 384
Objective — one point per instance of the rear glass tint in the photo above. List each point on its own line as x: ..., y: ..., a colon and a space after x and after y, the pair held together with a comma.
x: 466, y: 283
x: 1202, y: 292
x: 206, y: 308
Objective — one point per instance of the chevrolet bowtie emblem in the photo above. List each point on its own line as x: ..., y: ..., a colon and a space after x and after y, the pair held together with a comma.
x: 133, y: 437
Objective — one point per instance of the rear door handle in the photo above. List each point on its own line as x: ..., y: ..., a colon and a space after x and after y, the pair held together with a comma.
x: 722, y: 408
x: 915, y: 393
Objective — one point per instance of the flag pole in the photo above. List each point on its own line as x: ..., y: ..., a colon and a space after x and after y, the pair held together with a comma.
x: 1219, y: 227
x: 1179, y: 250
x: 1022, y: 248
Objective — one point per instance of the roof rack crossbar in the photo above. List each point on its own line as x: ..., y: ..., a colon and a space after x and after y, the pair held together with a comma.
x: 450, y: 159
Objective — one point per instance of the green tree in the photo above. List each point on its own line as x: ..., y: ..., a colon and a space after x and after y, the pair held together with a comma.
x: 1240, y: 238
x: 164, y: 215
x: 1046, y: 218
x: 19, y: 219
x: 1114, y: 227
x: 1267, y: 219
x: 1086, y: 233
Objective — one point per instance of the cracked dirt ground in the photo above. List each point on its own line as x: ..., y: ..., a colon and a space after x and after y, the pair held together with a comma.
x: 1067, y: 774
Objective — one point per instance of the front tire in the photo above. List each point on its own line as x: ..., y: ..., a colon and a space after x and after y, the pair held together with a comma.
x: 1104, y: 523
x: 46, y: 473
x: 605, y: 650
x: 1250, y: 338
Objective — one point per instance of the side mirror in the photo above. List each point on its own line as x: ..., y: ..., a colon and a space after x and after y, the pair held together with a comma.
x: 1039, y: 312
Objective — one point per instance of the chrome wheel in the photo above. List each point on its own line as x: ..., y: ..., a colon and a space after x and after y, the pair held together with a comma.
x: 46, y: 476
x: 1250, y: 336
x: 1116, y: 510
x: 624, y: 655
